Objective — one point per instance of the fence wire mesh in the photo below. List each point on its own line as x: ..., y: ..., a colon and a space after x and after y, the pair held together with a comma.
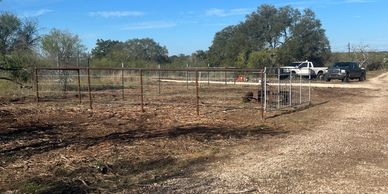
x: 285, y: 89
x: 194, y: 88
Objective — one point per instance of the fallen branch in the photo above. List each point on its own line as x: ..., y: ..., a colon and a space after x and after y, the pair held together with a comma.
x: 16, y: 82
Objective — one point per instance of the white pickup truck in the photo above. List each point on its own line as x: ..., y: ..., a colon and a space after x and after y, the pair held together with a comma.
x: 305, y: 69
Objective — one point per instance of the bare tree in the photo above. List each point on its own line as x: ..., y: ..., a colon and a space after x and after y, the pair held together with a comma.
x: 62, y: 47
x: 361, y: 54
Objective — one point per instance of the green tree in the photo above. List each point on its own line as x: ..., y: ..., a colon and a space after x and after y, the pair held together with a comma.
x: 17, y: 36
x: 284, y: 32
x: 199, y: 58
x: 62, y: 47
x: 10, y: 25
x: 180, y: 61
x: 104, y: 47
x: 146, y: 49
x: 309, y: 41
x: 242, y: 59
x: 260, y: 59
x: 133, y: 53
x: 18, y: 39
x: 227, y: 45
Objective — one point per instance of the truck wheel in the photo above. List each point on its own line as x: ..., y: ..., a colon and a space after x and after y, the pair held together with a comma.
x: 346, y: 78
x: 362, y: 78
x: 320, y: 76
x: 293, y: 75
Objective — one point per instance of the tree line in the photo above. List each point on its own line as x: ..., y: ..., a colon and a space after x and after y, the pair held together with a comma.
x: 269, y: 36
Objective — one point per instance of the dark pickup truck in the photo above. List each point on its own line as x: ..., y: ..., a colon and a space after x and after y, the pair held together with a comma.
x: 345, y: 71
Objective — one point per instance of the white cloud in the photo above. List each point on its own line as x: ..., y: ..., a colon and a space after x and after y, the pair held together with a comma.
x: 36, y: 13
x: 324, y: 3
x: 108, y: 14
x: 150, y: 25
x: 225, y: 13
x: 359, y: 1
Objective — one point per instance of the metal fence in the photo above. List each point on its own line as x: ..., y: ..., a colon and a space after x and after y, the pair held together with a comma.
x: 197, y: 89
x: 285, y: 89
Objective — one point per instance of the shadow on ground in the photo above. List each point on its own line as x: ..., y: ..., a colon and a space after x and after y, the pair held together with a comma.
x: 122, y: 176
x: 38, y: 138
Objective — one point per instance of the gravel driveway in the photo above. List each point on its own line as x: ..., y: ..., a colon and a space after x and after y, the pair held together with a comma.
x: 347, y: 152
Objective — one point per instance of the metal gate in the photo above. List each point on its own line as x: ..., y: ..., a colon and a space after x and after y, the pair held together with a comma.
x: 283, y: 90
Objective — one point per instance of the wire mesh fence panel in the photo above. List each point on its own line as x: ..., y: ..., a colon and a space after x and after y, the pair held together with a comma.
x: 106, y: 85
x: 162, y: 87
x: 58, y: 85
x: 284, y: 89
x: 236, y: 91
x: 196, y: 89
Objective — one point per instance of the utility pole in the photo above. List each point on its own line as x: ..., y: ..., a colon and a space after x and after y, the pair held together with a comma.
x: 349, y: 47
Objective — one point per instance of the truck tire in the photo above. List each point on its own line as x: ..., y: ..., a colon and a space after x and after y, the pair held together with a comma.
x: 346, y: 78
x: 293, y: 75
x: 362, y: 77
x: 327, y: 78
x: 320, y: 76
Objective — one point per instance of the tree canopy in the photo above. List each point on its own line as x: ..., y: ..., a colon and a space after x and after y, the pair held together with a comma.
x: 18, y: 41
x: 113, y: 52
x: 272, y: 36
x: 18, y: 38
x: 62, y: 47
x: 269, y: 36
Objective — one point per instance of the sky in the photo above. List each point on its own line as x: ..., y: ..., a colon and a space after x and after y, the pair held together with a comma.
x: 185, y: 26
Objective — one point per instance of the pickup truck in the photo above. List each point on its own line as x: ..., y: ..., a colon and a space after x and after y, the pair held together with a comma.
x: 345, y: 71
x: 304, y: 69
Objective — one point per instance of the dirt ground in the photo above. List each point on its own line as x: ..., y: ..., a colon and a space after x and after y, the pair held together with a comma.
x: 338, y: 144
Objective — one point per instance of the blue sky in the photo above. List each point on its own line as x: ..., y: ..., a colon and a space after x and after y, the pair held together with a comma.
x: 184, y: 26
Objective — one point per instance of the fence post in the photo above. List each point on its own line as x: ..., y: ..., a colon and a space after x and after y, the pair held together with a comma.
x: 89, y: 90
x: 262, y: 96
x: 278, y: 88
x: 197, y: 91
x: 79, y: 86
x: 159, y: 80
x: 309, y: 87
x: 141, y: 90
x: 208, y: 75
x: 122, y: 81
x: 290, y: 97
x: 225, y: 77
x: 187, y: 76
x: 300, y: 89
x: 265, y: 88
x: 234, y: 78
x: 37, y: 84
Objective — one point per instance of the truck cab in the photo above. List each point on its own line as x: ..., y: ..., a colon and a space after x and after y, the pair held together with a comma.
x: 345, y: 71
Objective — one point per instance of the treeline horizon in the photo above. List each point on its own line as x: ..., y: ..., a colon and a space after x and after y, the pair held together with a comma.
x: 269, y: 36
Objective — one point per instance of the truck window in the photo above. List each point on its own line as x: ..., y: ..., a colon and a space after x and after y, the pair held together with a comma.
x: 303, y: 65
x: 295, y: 64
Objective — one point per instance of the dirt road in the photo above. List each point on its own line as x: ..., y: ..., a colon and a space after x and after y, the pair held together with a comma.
x: 333, y: 84
x: 346, y: 152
